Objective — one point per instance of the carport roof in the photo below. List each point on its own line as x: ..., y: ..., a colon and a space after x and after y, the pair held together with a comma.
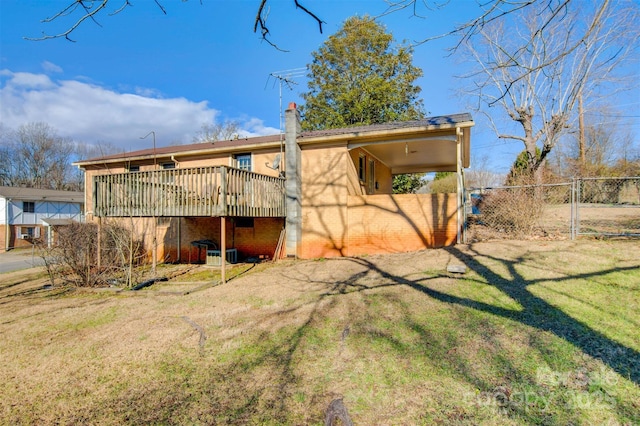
x: 427, y: 145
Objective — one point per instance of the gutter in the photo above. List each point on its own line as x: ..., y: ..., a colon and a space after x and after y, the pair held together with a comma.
x: 7, y: 228
x: 173, y: 155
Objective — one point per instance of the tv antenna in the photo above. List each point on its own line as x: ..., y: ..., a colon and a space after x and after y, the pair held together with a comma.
x: 286, y: 78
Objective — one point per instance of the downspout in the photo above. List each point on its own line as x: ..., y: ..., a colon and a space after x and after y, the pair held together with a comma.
x: 7, y: 228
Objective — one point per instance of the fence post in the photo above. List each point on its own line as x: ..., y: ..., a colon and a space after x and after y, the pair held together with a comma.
x: 572, y: 199
x: 465, y: 214
x: 578, y: 197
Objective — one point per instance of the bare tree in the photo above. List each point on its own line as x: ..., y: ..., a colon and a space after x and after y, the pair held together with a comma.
x: 6, y: 168
x: 38, y: 157
x: 536, y: 69
x: 598, y: 149
x: 480, y: 174
x: 217, y: 131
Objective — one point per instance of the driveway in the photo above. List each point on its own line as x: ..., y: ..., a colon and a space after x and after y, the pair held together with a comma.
x: 18, y: 259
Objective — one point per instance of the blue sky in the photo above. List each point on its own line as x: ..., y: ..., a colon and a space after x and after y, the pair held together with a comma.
x: 142, y: 70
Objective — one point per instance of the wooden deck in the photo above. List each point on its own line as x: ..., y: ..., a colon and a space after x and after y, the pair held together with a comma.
x: 197, y: 191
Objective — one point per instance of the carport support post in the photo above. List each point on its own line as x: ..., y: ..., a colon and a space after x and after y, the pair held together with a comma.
x: 293, y: 181
x: 460, y: 185
x: 223, y: 248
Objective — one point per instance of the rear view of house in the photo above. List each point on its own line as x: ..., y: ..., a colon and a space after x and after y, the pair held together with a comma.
x: 331, y: 190
x: 30, y: 214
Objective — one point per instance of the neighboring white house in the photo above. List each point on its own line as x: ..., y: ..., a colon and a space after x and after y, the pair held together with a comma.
x: 27, y: 214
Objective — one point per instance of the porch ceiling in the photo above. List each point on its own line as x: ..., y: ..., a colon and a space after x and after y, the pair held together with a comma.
x: 427, y: 153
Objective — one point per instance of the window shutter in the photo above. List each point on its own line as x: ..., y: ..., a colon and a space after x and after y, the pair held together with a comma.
x: 19, y: 231
x: 36, y: 232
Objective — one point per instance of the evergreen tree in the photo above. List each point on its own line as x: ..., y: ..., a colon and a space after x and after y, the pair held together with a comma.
x: 360, y: 77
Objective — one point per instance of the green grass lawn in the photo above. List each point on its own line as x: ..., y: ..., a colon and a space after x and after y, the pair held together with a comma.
x: 533, y: 333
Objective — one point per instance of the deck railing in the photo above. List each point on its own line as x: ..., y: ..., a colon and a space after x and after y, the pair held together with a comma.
x: 196, y: 191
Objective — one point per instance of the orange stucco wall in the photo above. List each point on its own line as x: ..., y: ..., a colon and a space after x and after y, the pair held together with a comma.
x: 398, y: 223
x: 324, y: 202
x: 339, y: 219
x: 259, y: 240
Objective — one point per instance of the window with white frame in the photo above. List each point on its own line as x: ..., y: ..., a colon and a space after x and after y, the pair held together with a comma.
x: 28, y: 232
x: 242, y: 161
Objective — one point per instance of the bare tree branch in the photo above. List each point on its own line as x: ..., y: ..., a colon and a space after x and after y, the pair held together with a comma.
x: 90, y: 13
x: 536, y: 70
x: 261, y: 21
x: 91, y: 8
x: 320, y: 21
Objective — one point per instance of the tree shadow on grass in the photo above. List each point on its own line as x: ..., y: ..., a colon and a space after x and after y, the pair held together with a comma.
x: 535, y: 312
x: 540, y: 314
x: 280, y: 353
x: 258, y: 382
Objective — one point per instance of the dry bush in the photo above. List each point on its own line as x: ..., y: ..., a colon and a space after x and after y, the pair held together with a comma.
x: 73, y: 259
x: 512, y: 210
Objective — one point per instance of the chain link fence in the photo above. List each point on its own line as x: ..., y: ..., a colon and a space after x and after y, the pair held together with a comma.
x: 583, y: 206
x: 607, y: 206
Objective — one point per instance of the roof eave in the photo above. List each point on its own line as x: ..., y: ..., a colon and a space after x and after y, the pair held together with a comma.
x: 151, y: 157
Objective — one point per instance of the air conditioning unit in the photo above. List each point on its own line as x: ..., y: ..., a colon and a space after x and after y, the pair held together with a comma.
x: 24, y: 236
x: 215, y: 259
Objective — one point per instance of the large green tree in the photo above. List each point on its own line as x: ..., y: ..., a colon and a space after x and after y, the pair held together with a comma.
x: 361, y: 76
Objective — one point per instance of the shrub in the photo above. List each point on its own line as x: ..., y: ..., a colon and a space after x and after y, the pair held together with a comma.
x: 512, y: 210
x: 74, y: 257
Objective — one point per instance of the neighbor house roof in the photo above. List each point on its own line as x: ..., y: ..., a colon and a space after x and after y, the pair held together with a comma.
x: 352, y: 134
x: 34, y: 194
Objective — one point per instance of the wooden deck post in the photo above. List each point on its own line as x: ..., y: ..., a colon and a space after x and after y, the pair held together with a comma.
x: 99, y: 251
x: 223, y: 248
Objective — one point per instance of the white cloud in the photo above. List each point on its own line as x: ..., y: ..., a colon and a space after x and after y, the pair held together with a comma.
x: 255, y: 127
x: 91, y: 113
x: 50, y: 67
